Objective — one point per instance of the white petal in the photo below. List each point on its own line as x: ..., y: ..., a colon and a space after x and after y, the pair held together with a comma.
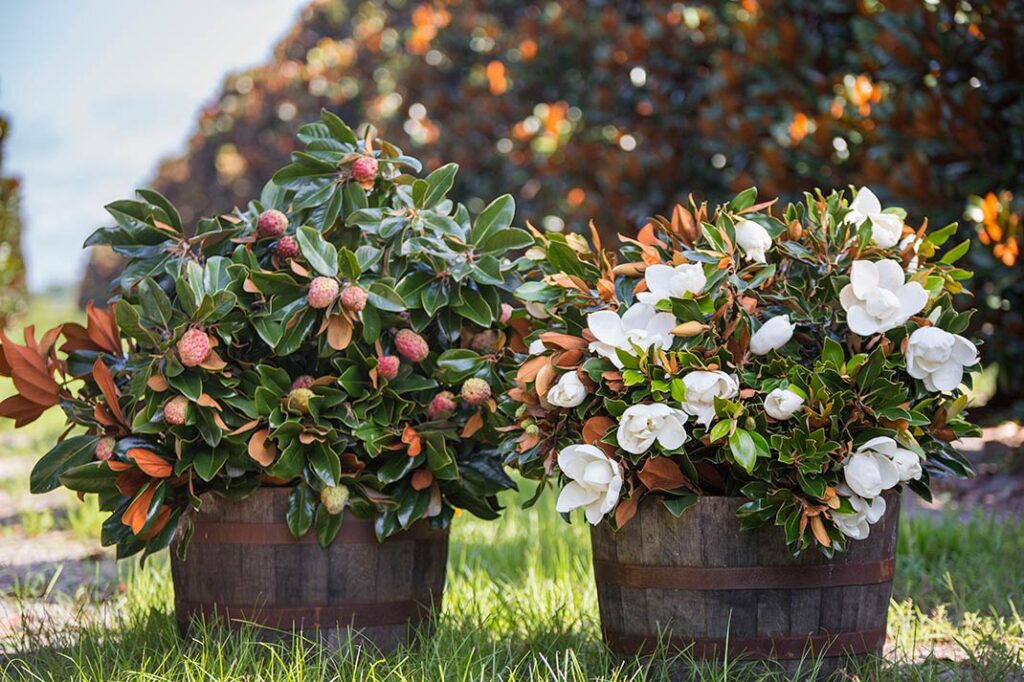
x: 890, y: 475
x: 890, y: 275
x: 593, y: 513
x: 882, y: 444
x: 863, y: 277
x: 659, y: 278
x: 847, y: 298
x: 876, y: 509
x: 638, y: 316
x: 574, y: 496
x: 866, y: 202
x: 672, y: 433
x: 662, y: 324
x: 886, y: 230
x: 860, y: 322
x: 948, y: 377
x: 964, y: 352
x: 913, y: 298
x: 573, y: 459
x: 606, y: 326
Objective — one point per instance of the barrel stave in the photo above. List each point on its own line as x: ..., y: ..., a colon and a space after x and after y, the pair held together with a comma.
x: 243, y: 565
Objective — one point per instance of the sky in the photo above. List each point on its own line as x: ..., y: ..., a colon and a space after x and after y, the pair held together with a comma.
x: 98, y: 92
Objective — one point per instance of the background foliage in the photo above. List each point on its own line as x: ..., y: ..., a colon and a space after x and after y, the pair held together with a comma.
x: 614, y: 111
x: 12, y: 267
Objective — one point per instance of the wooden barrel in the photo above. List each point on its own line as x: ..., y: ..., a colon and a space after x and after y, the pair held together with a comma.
x: 698, y: 584
x: 243, y: 566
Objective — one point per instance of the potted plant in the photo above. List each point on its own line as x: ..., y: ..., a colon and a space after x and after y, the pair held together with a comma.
x: 784, y: 371
x: 269, y: 381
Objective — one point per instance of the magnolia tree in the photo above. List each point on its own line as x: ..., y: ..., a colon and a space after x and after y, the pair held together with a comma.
x: 809, y: 359
x: 341, y: 336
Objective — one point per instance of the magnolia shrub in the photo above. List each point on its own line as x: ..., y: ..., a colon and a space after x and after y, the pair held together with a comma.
x: 806, y: 358
x: 305, y: 341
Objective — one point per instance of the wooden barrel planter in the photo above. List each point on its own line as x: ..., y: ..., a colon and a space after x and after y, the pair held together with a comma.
x: 699, y: 585
x: 244, y: 567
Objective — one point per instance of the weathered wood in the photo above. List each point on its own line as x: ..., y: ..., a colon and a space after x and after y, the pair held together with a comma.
x: 698, y: 581
x: 242, y: 567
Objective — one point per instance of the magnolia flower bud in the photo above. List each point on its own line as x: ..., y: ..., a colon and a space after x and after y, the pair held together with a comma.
x: 772, y: 335
x: 754, y: 240
x: 782, y: 403
x: 568, y: 392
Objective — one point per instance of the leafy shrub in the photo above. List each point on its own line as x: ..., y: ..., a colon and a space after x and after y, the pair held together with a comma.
x: 808, y: 358
x: 301, y: 341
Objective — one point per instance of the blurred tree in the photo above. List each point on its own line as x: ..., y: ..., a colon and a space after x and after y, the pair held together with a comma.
x: 613, y: 111
x: 12, y: 266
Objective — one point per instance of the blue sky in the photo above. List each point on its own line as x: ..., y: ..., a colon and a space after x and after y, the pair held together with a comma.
x: 98, y: 92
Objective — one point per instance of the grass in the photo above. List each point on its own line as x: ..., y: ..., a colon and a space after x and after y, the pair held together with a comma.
x: 520, y: 606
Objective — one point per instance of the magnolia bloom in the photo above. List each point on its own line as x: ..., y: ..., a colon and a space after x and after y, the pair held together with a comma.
x: 886, y: 228
x: 595, y: 481
x: 782, y: 403
x: 701, y: 390
x: 641, y: 425
x: 938, y: 358
x: 568, y: 392
x: 877, y: 299
x: 536, y: 347
x: 857, y: 524
x: 878, y: 465
x: 641, y: 326
x: 665, y: 282
x: 753, y: 239
x: 772, y: 335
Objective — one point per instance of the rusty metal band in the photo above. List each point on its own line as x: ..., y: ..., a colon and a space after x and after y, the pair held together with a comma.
x: 342, y: 615
x: 786, y: 647
x: 351, y: 532
x: 743, y: 577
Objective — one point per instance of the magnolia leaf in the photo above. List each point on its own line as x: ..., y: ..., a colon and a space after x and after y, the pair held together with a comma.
x: 661, y: 473
x: 261, y: 449
x: 339, y: 332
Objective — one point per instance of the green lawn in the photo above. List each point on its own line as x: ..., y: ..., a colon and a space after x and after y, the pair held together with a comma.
x: 520, y: 605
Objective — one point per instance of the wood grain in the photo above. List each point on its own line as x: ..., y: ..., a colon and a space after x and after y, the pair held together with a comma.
x: 352, y: 591
x: 699, y: 584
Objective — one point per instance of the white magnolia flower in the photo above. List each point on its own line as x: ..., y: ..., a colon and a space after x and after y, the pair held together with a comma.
x: 772, y: 335
x: 701, y: 390
x: 877, y: 299
x: 873, y: 468
x: 665, y: 282
x: 782, y: 403
x: 595, y: 481
x: 886, y: 228
x: 907, y: 463
x: 753, y: 239
x: 857, y: 524
x: 641, y: 326
x: 938, y: 358
x: 568, y: 392
x: 536, y: 347
x: 641, y: 425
